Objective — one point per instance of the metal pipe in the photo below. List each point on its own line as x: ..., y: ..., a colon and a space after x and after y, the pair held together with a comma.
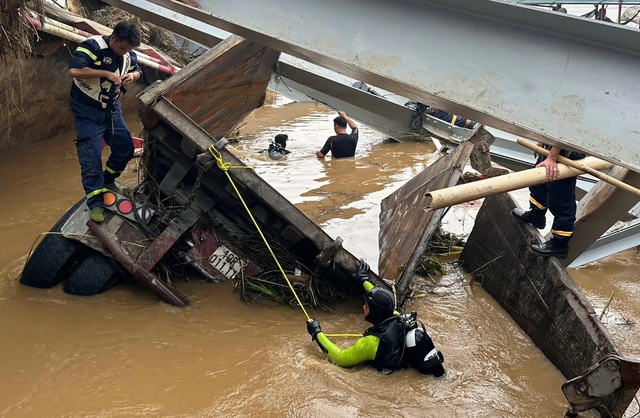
x: 496, y: 185
x: 163, y: 290
x: 76, y: 37
x: 579, y: 166
x: 70, y: 28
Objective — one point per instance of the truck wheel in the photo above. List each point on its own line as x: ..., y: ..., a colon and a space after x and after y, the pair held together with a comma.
x: 95, y: 274
x: 52, y: 258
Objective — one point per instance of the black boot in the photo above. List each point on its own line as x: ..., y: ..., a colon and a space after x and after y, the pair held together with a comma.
x: 553, y: 248
x: 533, y: 217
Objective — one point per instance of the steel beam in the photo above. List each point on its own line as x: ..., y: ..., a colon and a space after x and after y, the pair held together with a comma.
x: 335, y: 90
x: 603, y: 206
x: 299, y: 79
x: 546, y: 76
x: 611, y: 243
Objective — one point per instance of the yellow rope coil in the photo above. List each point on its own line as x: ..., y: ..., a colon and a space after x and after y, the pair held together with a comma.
x: 224, y: 166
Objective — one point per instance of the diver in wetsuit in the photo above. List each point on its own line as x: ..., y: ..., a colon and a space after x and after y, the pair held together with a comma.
x: 395, y: 341
x: 277, y: 148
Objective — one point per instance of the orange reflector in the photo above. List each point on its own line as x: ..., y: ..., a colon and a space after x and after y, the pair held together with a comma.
x: 125, y: 206
x: 109, y: 198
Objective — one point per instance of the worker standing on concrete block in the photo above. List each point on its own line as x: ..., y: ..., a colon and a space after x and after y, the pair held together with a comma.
x: 560, y: 198
x: 100, y: 67
x: 342, y: 144
x: 395, y: 341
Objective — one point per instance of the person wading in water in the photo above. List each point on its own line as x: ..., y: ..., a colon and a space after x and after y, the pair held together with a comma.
x: 395, y: 341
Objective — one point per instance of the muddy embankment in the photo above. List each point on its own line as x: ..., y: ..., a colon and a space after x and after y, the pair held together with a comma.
x: 34, y: 93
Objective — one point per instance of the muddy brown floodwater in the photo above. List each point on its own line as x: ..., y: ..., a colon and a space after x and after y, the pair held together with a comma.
x: 125, y: 354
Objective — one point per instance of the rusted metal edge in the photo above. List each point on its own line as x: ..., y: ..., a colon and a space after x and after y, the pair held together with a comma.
x: 405, y: 227
x: 538, y: 294
x: 157, y: 90
x: 163, y: 290
x: 325, y: 256
x: 163, y: 242
x: 608, y: 386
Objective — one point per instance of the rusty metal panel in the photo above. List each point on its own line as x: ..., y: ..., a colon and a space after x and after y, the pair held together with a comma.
x: 163, y: 243
x: 608, y: 387
x: 543, y: 299
x: 537, y: 292
x: 220, y: 88
x: 405, y: 227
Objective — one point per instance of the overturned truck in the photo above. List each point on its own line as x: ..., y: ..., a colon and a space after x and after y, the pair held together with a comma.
x: 197, y: 205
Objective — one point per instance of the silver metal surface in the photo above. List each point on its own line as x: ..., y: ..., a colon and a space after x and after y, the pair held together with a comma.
x: 546, y: 76
x: 613, y: 242
x: 301, y: 80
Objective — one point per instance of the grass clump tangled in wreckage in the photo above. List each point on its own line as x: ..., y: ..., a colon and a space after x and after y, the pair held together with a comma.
x: 16, y: 34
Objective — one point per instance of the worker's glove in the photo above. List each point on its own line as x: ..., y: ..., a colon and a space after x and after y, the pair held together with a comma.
x: 362, y: 272
x: 313, y: 328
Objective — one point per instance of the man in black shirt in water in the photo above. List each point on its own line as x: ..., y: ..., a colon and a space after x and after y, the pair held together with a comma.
x: 342, y: 144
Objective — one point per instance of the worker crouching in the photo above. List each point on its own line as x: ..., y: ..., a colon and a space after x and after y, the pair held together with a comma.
x: 395, y: 341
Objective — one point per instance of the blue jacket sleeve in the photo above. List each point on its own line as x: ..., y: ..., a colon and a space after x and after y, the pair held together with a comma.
x: 85, y: 54
x: 134, y: 63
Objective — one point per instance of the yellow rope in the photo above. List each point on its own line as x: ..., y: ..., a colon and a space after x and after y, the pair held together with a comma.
x: 226, y: 167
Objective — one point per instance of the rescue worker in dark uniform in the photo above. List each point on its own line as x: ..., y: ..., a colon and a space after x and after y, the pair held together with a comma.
x: 100, y: 67
x: 559, y: 197
x: 395, y: 341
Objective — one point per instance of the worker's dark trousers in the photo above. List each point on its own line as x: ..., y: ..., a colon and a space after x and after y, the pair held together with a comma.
x: 451, y: 118
x: 560, y: 198
x: 92, y: 125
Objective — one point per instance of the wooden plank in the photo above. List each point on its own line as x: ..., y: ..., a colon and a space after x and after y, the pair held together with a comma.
x: 537, y: 292
x: 405, y: 227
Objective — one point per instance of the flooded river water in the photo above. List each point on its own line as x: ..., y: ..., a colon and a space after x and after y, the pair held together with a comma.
x: 125, y: 354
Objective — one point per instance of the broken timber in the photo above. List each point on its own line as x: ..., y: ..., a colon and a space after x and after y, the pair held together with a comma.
x: 405, y: 227
x: 546, y: 303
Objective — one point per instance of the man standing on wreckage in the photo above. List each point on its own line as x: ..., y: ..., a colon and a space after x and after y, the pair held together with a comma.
x: 101, y: 66
x: 559, y: 196
x: 395, y: 341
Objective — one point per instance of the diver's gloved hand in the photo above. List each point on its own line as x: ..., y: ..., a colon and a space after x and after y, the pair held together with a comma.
x: 362, y: 272
x: 313, y: 328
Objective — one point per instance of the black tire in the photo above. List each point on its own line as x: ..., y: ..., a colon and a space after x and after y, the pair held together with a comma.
x: 52, y: 259
x: 95, y: 274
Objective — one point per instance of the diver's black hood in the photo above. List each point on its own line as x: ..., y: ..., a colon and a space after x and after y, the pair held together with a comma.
x: 381, y: 305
